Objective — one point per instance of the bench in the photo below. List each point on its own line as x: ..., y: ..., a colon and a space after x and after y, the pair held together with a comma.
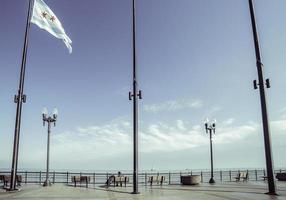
x: 80, y: 179
x: 241, y: 176
x: 7, y: 179
x: 157, y: 179
x: 281, y: 176
x: 117, y: 180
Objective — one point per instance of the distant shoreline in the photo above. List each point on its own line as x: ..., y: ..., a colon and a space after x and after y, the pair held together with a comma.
x: 140, y: 171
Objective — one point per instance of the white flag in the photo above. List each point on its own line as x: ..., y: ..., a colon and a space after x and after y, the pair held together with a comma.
x: 44, y: 17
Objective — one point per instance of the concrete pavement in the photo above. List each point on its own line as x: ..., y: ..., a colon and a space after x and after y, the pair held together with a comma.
x: 219, y: 191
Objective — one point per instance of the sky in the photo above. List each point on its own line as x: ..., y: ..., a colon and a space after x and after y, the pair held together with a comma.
x: 196, y: 59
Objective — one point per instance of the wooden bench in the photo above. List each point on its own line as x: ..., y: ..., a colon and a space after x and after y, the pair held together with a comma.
x: 117, y: 180
x: 80, y: 179
x: 281, y: 176
x: 7, y: 179
x: 157, y: 179
x: 241, y: 176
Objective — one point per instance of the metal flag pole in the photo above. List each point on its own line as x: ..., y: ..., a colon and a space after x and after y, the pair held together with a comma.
x: 266, y: 129
x: 20, y: 99
x: 135, y: 95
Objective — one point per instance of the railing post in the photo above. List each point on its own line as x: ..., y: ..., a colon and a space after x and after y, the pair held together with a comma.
x: 40, y: 179
x: 220, y: 175
x: 191, y: 173
x: 145, y: 178
x: 264, y: 173
x: 230, y: 175
x: 202, y: 177
x: 26, y: 176
x: 54, y: 177
x: 67, y: 178
x: 93, y: 178
x: 256, y: 178
x: 280, y: 171
x: 106, y: 176
x: 169, y: 178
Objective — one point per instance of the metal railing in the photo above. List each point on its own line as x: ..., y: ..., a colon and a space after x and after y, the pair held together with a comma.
x: 38, y: 177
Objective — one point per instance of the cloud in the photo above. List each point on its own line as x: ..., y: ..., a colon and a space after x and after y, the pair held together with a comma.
x: 115, y: 138
x: 228, y: 122
x: 123, y: 91
x: 212, y: 111
x: 231, y: 134
x: 99, y: 146
x: 283, y: 112
x: 95, y: 141
x: 278, y: 126
x: 173, y: 105
x: 183, y: 136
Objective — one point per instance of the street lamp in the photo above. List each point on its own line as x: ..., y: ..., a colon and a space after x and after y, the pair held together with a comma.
x: 210, y: 127
x: 49, y: 120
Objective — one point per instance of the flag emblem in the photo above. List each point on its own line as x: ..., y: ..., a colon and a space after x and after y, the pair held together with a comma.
x: 44, y: 17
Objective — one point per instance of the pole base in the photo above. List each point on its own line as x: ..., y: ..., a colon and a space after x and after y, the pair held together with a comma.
x: 212, y: 181
x: 134, y: 192
x: 13, y: 190
x: 47, y: 183
x: 272, y: 193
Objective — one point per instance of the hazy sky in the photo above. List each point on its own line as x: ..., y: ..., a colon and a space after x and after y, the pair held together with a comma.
x: 195, y: 60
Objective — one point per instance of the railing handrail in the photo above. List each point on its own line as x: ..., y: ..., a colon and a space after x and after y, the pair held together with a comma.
x: 171, y: 177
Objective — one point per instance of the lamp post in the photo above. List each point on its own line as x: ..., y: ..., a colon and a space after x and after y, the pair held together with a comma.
x: 210, y: 127
x: 49, y: 120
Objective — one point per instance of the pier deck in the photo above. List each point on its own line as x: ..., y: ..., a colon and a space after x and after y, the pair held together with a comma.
x: 219, y: 191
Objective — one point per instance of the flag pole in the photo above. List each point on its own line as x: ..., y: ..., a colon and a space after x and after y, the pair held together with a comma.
x: 266, y: 129
x: 135, y: 95
x: 20, y: 98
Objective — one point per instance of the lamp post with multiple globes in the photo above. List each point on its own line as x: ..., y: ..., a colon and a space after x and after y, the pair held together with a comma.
x: 49, y: 120
x: 210, y: 128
